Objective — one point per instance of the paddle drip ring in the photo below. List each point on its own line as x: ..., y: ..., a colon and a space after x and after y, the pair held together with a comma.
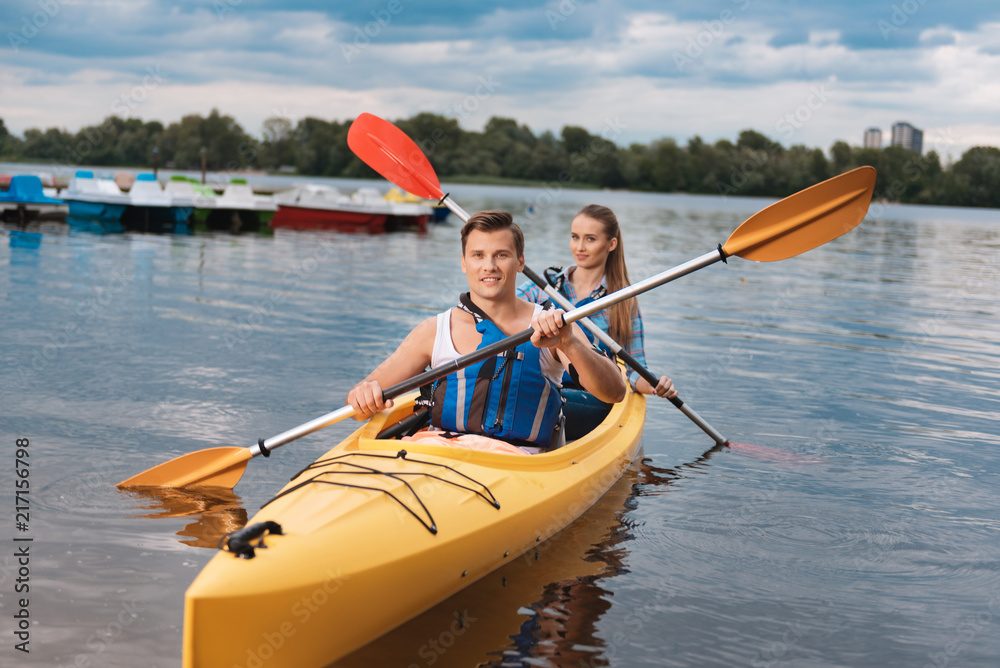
x: 722, y: 254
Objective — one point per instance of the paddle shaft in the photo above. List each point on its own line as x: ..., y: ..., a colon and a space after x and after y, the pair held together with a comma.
x: 617, y: 349
x: 603, y: 336
x: 265, y: 446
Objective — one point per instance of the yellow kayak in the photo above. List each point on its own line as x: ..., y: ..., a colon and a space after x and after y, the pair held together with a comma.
x: 377, y: 531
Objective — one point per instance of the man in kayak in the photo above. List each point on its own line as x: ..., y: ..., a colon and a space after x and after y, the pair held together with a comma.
x: 513, y: 396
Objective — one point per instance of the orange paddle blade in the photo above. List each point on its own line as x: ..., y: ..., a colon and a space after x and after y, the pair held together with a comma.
x: 386, y: 149
x: 805, y: 220
x: 215, y: 467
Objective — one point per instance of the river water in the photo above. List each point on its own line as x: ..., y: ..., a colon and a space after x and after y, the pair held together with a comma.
x: 869, y: 364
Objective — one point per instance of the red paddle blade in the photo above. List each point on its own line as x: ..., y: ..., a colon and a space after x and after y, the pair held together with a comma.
x: 386, y: 149
x: 772, y: 454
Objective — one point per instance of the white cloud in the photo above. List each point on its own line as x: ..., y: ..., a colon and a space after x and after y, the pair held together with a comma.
x: 659, y: 74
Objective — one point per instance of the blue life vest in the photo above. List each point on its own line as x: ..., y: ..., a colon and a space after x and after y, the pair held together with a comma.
x: 504, y: 397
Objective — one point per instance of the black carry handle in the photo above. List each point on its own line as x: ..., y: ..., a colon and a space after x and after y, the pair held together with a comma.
x: 238, y: 542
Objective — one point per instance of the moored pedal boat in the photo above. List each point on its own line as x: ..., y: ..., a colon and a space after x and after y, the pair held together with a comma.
x: 99, y: 205
x: 321, y: 207
x: 26, y: 200
x: 378, y: 530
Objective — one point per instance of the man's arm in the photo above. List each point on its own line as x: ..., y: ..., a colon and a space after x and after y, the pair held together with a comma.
x: 411, y: 357
x: 598, y: 374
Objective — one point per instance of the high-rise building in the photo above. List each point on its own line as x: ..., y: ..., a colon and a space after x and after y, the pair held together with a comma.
x: 873, y: 138
x: 907, y: 136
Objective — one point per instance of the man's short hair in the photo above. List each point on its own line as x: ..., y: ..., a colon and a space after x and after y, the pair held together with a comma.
x: 494, y: 221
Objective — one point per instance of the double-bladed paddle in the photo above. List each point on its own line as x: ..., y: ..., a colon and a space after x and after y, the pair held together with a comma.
x: 799, y: 222
x: 390, y: 152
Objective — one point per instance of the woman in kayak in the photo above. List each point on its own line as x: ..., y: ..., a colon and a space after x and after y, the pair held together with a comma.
x: 513, y: 396
x: 596, y: 244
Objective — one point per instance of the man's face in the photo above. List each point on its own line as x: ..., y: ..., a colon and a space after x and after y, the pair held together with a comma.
x: 490, y: 263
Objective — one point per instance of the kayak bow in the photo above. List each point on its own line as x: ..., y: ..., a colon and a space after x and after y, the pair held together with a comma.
x: 377, y: 531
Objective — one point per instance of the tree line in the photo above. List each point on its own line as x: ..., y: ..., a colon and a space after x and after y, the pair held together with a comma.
x: 508, y: 152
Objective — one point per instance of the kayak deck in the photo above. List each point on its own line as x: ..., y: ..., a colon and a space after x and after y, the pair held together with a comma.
x: 377, y: 531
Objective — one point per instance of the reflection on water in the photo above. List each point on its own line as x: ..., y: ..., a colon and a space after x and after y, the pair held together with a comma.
x: 216, y: 512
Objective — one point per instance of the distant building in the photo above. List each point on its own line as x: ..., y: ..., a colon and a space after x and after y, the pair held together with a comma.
x: 907, y: 136
x: 873, y: 138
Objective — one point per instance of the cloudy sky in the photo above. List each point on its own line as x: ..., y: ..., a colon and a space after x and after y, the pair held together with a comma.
x: 631, y: 70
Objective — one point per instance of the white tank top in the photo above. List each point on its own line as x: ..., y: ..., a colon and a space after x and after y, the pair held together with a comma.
x: 444, y: 349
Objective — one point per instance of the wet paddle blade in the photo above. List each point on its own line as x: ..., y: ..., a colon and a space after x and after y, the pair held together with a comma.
x: 770, y: 454
x: 386, y: 149
x: 215, y: 467
x: 805, y: 220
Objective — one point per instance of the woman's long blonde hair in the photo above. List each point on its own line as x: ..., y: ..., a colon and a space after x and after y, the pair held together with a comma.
x: 615, y: 275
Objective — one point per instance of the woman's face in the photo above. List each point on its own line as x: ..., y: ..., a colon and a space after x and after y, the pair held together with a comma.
x: 589, y: 243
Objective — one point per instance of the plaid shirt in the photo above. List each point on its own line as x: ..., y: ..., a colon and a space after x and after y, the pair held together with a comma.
x: 635, y: 347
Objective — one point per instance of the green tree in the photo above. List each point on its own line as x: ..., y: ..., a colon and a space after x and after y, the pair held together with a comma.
x: 322, y: 150
x: 53, y: 144
x: 975, y: 178
x: 756, y: 141
x: 226, y: 145
x: 752, y: 165
x: 442, y: 141
x: 705, y: 172
x: 278, y: 145
x: 840, y: 154
x: 549, y: 161
x: 932, y: 180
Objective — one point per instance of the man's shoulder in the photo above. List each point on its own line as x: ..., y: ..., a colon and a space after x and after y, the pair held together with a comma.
x: 427, y: 329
